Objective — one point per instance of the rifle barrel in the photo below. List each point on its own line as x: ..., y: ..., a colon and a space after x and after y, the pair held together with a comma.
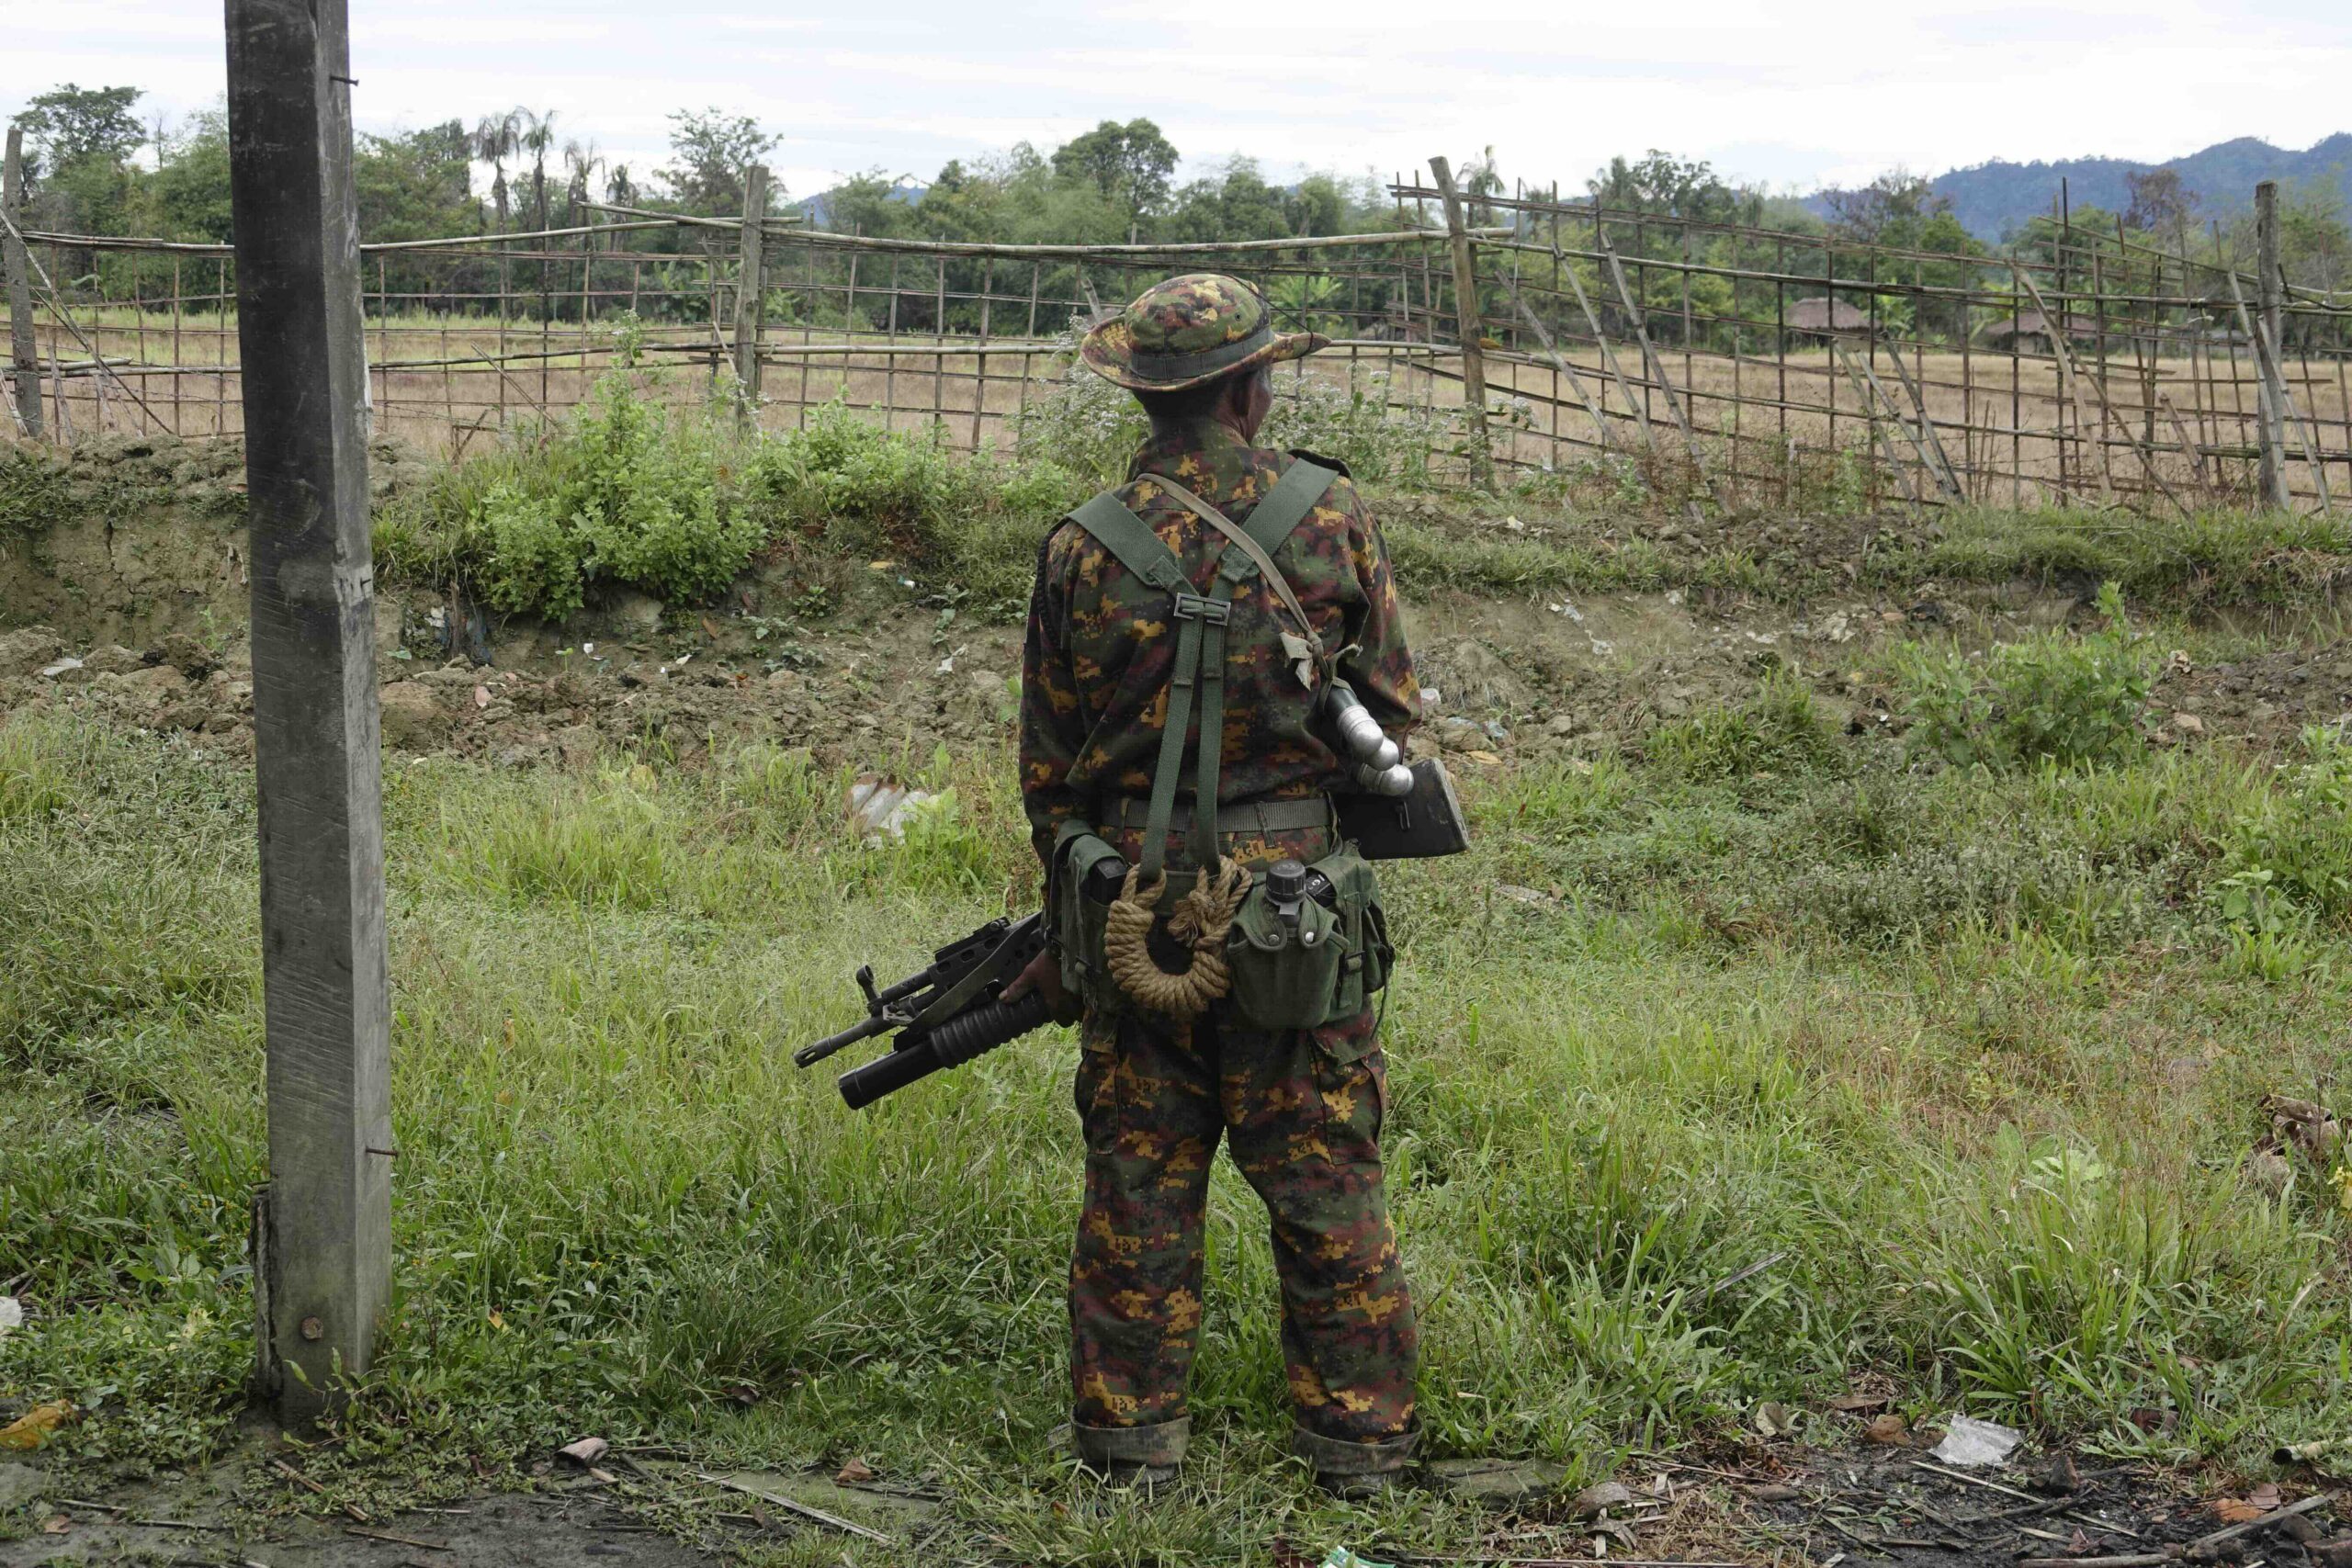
x: 809, y: 1056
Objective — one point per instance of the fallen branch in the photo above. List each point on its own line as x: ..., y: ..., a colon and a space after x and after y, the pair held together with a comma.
x: 1974, y: 1480
x: 296, y: 1477
x: 399, y: 1539
x: 819, y: 1516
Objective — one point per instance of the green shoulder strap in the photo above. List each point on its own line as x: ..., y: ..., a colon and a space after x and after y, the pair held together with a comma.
x: 1287, y: 504
x: 1130, y: 538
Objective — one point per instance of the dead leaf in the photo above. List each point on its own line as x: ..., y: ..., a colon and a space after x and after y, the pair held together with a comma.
x: 36, y: 1425
x: 606, y: 1476
x: 2237, y: 1510
x: 1597, y: 1498
x: 1772, y: 1418
x: 56, y: 1524
x: 2264, y: 1496
x: 856, y: 1473
x: 1487, y: 759
x: 711, y: 628
x: 2080, y: 1543
x: 586, y: 1452
x: 482, y: 696
x: 1890, y: 1429
x: 742, y: 1394
x: 1849, y: 1402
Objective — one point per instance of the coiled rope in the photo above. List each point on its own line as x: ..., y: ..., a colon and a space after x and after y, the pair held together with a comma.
x: 1202, y: 919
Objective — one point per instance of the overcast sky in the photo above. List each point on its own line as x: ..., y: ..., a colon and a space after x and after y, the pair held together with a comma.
x: 1794, y: 94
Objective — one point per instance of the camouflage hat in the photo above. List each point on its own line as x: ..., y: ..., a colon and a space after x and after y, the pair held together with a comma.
x: 1189, y: 330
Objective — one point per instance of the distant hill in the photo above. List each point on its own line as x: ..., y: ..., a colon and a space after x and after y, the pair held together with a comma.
x: 1992, y: 198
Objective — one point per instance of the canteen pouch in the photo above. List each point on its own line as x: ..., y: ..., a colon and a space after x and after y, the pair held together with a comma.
x: 1080, y: 921
x: 1320, y: 969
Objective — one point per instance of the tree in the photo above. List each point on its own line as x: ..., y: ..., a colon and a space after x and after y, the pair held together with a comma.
x: 189, y: 194
x: 538, y: 136
x: 1672, y: 187
x: 2160, y: 204
x: 496, y: 138
x: 1237, y: 204
x: 1130, y: 163
x: 581, y: 161
x: 414, y: 186
x: 69, y: 124
x: 1889, y: 210
x: 710, y: 150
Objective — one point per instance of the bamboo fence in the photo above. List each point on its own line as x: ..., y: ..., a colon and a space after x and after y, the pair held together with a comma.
x: 1706, y: 362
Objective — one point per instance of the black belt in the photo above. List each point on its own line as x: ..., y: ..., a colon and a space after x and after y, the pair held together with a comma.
x: 1289, y: 815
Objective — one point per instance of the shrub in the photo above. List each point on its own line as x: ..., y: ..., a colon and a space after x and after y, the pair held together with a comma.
x: 34, y: 491
x: 2055, y: 697
x: 624, y: 492
x: 2291, y: 856
x: 972, y: 525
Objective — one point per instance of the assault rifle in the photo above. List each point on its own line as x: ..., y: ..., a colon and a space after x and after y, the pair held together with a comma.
x: 954, y: 1009
x: 946, y: 1014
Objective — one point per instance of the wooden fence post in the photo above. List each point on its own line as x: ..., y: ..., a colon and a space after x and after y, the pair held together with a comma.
x: 24, y: 353
x: 749, y: 295
x: 321, y: 1232
x: 1465, y: 309
x: 2269, y: 290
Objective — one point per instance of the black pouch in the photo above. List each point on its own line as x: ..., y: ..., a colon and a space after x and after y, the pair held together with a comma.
x: 1083, y: 861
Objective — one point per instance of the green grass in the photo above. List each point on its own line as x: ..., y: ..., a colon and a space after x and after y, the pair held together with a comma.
x: 1970, y: 1056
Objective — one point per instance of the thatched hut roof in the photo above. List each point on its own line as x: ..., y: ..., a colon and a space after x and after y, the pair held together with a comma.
x: 1820, y: 314
x: 2033, y: 324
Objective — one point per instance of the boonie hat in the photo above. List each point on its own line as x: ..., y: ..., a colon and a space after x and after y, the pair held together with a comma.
x: 1189, y: 330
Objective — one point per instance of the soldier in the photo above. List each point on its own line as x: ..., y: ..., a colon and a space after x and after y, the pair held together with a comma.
x: 1301, y: 1108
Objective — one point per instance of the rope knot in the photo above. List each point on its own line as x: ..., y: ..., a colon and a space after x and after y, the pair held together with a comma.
x: 1201, y: 920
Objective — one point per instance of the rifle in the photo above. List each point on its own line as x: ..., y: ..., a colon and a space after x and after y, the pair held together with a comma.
x: 954, y: 1009
x: 945, y: 1015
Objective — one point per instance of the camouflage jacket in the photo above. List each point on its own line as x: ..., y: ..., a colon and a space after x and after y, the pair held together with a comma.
x: 1094, y: 679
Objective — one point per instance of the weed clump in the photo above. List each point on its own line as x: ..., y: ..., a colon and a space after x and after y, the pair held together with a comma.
x: 2289, y: 853
x: 2056, y: 698
x: 34, y: 491
x: 1777, y: 730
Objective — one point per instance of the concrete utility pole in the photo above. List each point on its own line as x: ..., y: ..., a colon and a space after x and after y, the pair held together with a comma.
x: 24, y: 354
x: 1465, y: 306
x: 322, y: 1226
x: 2270, y: 285
x: 751, y: 288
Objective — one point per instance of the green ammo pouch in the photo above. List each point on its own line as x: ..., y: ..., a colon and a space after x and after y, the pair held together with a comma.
x: 1300, y: 963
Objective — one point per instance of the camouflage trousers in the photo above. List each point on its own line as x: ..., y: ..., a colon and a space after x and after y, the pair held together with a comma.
x: 1303, y: 1111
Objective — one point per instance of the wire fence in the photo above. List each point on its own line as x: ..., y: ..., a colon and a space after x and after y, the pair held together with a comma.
x: 1518, y: 336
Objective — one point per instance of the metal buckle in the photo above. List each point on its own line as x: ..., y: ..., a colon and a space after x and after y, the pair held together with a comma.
x: 1193, y: 607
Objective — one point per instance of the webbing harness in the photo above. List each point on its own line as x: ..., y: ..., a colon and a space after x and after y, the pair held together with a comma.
x: 1197, y: 673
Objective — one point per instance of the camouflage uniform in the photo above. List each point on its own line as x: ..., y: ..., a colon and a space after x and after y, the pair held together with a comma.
x: 1302, y: 1108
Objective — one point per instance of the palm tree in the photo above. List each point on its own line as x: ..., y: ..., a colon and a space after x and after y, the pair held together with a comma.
x: 496, y: 138
x: 539, y: 135
x: 581, y: 161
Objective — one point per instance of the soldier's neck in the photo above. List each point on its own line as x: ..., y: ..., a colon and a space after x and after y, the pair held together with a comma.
x: 1216, y: 429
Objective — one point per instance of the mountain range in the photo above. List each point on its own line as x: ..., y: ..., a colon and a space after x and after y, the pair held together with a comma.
x: 1991, y: 199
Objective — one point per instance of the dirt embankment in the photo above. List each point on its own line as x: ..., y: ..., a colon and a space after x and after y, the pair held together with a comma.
x: 133, y: 606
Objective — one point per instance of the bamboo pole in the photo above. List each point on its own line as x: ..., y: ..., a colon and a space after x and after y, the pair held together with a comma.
x: 1465, y: 311
x: 24, y: 349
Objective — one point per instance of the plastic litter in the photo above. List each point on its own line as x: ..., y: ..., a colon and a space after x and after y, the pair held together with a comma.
x: 1968, y: 1441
